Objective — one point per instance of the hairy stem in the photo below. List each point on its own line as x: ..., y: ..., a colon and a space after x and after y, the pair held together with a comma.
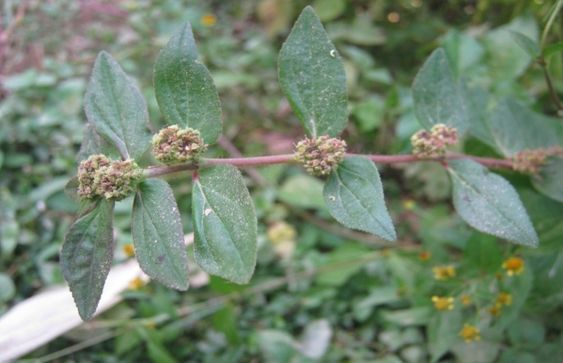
x: 252, y: 161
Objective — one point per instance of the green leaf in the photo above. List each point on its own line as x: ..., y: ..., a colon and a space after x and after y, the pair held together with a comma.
x: 329, y: 9
x: 302, y: 191
x: 7, y: 288
x: 354, y: 196
x: 438, y: 97
x: 483, y: 252
x: 552, y: 49
x: 443, y: 330
x: 311, y: 75
x: 530, y: 46
x: 225, y: 224
x: 489, y: 203
x: 184, y: 88
x: 515, y: 128
x: 157, y: 234
x: 87, y: 255
x: 116, y: 108
x: 92, y: 144
x: 549, y: 180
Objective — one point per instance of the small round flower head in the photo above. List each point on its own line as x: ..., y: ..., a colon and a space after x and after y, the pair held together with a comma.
x: 119, y: 179
x: 495, y: 309
x: 444, y: 272
x: 470, y: 333
x: 513, y: 266
x: 174, y: 145
x: 504, y: 298
x: 433, y: 143
x: 531, y: 161
x: 99, y: 176
x: 320, y: 155
x: 87, y: 175
x: 442, y: 303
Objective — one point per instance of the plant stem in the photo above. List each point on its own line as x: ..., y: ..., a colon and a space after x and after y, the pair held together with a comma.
x: 549, y: 23
x: 252, y: 161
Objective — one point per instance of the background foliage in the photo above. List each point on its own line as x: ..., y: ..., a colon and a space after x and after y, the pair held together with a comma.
x: 320, y: 292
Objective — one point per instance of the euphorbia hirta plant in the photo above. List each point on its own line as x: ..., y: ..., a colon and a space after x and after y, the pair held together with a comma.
x: 119, y: 158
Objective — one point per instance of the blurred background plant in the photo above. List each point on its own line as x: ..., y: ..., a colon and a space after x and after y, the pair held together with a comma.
x: 321, y: 292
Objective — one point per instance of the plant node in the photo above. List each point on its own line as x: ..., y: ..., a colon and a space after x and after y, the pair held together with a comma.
x: 173, y: 145
x: 531, y: 161
x: 320, y: 155
x: 433, y: 143
x: 98, y: 176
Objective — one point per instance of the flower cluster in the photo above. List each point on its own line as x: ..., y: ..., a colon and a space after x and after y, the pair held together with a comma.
x: 470, y: 333
x: 531, y: 161
x: 513, y: 266
x: 174, y: 145
x: 443, y: 302
x: 320, y: 155
x: 443, y: 272
x: 98, y: 176
x: 433, y: 143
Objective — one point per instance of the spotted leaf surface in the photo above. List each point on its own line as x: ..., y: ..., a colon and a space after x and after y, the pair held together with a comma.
x: 87, y: 255
x: 184, y: 88
x: 489, y: 203
x: 157, y: 234
x: 116, y: 108
x: 311, y: 75
x: 225, y: 224
x: 438, y: 96
x: 354, y: 196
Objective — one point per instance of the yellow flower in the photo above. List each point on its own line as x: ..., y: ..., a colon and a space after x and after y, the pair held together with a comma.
x: 136, y: 283
x: 208, y: 20
x: 470, y: 333
x: 280, y: 232
x: 496, y: 309
x: 443, y: 272
x: 504, y: 298
x: 129, y: 250
x: 409, y: 204
x: 513, y: 266
x: 443, y: 302
x: 466, y: 300
x: 424, y: 256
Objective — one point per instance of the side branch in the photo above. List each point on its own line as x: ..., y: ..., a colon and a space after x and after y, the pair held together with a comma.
x: 252, y: 161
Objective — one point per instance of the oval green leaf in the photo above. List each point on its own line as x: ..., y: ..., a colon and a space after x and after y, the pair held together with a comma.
x: 158, y: 236
x: 354, y: 196
x: 438, y: 97
x: 184, y: 88
x: 311, y: 75
x: 489, y: 203
x: 116, y: 108
x: 225, y: 224
x: 87, y: 255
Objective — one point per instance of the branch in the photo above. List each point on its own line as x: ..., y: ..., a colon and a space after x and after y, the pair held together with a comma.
x: 253, y: 161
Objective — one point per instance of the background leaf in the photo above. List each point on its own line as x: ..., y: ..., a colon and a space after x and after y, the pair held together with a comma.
x: 354, y: 196
x: 225, y: 224
x: 311, y: 75
x: 443, y: 330
x: 157, y: 234
x: 489, y: 203
x: 87, y: 255
x: 529, y: 45
x: 116, y: 108
x: 184, y: 88
x: 438, y: 97
x: 550, y: 179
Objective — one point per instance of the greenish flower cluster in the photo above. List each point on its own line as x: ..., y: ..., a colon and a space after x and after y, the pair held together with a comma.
x: 320, y: 155
x: 173, y: 145
x: 99, y: 176
x: 531, y: 161
x: 433, y: 143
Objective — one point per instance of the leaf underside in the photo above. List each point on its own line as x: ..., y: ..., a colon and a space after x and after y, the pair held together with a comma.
x: 225, y: 224
x: 87, y: 255
x: 157, y: 234
x: 489, y: 203
x: 354, y: 196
